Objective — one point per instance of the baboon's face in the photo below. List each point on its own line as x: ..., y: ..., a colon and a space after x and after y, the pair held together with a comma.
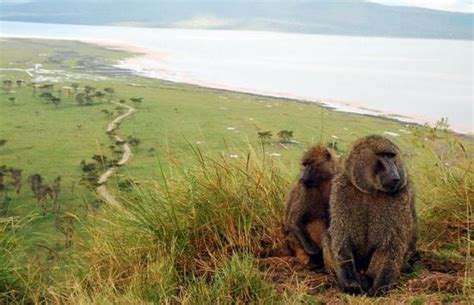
x: 318, y: 167
x: 388, y: 173
x: 375, y: 164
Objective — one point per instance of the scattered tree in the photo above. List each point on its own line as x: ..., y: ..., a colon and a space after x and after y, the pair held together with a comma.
x: 56, y: 101
x: 89, y: 90
x: 47, y: 96
x: 285, y: 136
x: 133, y: 141
x: 80, y: 99
x: 75, y: 87
x: 99, y: 94
x: 47, y: 88
x: 110, y: 93
x: 34, y: 86
x: 107, y: 113
x: 265, y: 136
x: 12, y: 100
x: 136, y: 100
x: 41, y: 191
x: 7, y: 86
x: 64, y: 223
x: 19, y: 82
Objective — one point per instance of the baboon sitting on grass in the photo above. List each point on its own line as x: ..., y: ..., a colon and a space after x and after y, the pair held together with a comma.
x: 373, y: 230
x: 306, y: 215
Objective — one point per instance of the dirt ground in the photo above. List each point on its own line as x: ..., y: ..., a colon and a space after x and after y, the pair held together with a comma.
x: 437, y: 280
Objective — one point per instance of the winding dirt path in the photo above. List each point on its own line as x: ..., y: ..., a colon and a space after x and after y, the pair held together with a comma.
x: 127, y: 154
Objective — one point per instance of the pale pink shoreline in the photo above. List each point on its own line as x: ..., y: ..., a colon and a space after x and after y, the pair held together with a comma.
x: 145, y: 54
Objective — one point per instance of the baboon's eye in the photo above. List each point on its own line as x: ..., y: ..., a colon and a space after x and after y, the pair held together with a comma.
x: 387, y: 154
x: 379, y: 167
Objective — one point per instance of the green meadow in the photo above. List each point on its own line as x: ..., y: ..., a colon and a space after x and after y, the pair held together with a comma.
x: 202, y: 195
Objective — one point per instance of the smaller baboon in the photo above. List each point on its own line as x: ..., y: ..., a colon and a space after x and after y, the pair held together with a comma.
x: 306, y: 215
x: 373, y: 231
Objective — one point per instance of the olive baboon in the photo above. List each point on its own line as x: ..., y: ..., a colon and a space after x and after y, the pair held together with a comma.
x: 306, y: 216
x: 373, y: 229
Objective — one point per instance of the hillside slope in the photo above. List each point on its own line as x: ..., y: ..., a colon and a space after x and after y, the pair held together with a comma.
x: 319, y: 17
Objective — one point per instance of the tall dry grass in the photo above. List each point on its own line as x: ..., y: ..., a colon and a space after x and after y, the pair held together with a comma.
x: 194, y: 236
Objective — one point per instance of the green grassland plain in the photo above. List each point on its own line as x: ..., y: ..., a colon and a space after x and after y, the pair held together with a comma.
x: 173, y: 121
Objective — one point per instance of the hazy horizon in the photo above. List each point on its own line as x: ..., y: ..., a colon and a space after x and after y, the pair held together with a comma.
x: 355, y: 18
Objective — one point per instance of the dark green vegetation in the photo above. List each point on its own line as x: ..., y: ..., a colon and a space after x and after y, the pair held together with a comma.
x: 202, y: 196
x: 353, y: 17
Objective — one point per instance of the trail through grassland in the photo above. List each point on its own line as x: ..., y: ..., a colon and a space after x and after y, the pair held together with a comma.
x: 127, y: 154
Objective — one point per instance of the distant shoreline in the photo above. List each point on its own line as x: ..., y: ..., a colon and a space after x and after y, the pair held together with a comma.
x: 336, y: 105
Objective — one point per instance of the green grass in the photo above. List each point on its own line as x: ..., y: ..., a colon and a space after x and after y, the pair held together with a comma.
x: 194, y: 218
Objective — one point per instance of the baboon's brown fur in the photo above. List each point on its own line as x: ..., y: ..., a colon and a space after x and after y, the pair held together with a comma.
x: 306, y: 216
x: 373, y: 229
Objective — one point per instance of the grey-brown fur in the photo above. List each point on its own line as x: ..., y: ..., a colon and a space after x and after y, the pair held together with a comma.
x: 307, y: 205
x: 373, y: 231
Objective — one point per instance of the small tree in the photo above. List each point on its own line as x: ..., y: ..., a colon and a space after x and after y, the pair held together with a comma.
x: 137, y: 100
x: 89, y: 89
x: 110, y: 93
x: 75, y: 87
x: 265, y: 136
x: 80, y: 99
x: 134, y: 141
x: 3, y: 142
x: 12, y: 100
x: 7, y: 85
x: 47, y: 96
x: 89, y: 99
x: 19, y: 82
x: 47, y: 88
x: 285, y: 136
x: 56, y: 101
x: 99, y: 94
x: 34, y: 86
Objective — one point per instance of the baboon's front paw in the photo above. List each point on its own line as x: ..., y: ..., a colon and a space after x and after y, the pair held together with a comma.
x: 366, y: 283
x: 316, y: 263
x: 377, y: 291
x: 352, y: 288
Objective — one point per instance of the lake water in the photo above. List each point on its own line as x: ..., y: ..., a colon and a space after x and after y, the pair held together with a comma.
x: 418, y: 80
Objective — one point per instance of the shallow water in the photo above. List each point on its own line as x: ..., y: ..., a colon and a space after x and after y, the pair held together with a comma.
x: 420, y: 80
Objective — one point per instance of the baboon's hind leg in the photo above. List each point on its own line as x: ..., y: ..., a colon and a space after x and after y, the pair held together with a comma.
x: 300, y: 253
x: 316, y: 230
